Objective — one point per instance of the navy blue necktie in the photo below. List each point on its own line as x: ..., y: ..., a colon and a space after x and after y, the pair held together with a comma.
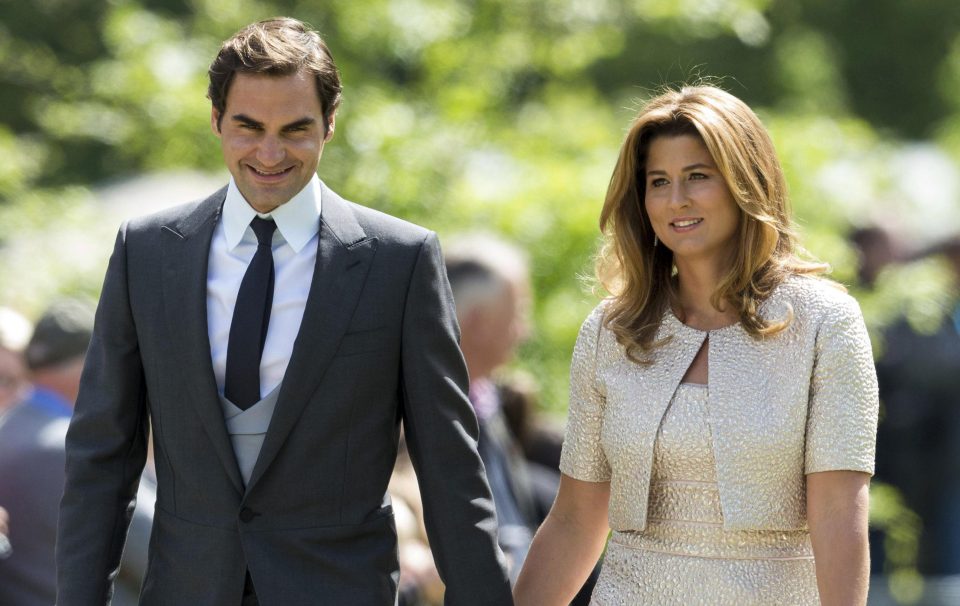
x: 251, y: 316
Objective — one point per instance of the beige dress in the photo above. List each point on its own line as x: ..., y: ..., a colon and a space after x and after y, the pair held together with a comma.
x: 684, y: 556
x: 708, y: 484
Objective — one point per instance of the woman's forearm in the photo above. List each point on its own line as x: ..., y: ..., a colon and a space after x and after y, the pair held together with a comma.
x: 559, y: 561
x: 843, y: 569
x: 567, y: 546
x: 837, y: 512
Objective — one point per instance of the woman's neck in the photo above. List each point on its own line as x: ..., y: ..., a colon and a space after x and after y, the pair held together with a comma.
x: 696, y: 283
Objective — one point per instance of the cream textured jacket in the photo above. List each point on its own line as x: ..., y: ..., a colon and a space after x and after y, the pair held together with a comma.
x: 801, y: 401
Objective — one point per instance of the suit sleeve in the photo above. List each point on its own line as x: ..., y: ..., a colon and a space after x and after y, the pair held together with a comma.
x: 105, y: 447
x: 441, y: 431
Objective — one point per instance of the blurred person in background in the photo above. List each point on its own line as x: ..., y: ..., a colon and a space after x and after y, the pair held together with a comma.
x: 420, y: 583
x: 918, y: 441
x: 14, y: 333
x: 723, y: 400
x: 490, y: 279
x: 32, y: 462
x: 491, y: 291
x: 540, y: 436
x: 4, y: 529
x: 877, y: 248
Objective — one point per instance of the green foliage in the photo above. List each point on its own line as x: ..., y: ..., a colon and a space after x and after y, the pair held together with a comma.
x: 504, y: 114
x: 901, y: 528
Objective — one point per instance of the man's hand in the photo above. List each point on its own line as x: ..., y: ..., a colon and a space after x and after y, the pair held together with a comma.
x: 5, y: 548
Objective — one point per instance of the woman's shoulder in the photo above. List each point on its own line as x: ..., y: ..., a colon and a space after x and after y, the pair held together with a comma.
x: 593, y: 324
x: 814, y: 297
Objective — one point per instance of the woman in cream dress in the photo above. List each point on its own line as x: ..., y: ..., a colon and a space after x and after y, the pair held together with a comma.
x: 723, y: 400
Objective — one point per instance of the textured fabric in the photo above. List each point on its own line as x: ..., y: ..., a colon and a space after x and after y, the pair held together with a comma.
x: 685, y: 539
x: 802, y: 401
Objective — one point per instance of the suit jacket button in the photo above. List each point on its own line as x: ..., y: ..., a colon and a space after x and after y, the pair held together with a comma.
x: 247, y: 514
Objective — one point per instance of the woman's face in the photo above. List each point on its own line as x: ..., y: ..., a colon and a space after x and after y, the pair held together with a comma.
x: 688, y: 201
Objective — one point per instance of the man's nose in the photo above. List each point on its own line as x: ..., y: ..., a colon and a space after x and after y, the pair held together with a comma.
x: 270, y: 151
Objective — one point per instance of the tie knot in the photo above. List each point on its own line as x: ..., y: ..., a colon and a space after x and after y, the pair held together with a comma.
x: 264, y: 229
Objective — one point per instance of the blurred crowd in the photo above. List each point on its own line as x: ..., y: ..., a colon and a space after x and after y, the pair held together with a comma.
x: 40, y: 368
x: 918, y: 442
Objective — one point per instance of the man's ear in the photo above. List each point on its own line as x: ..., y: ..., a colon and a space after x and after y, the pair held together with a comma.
x: 215, y: 121
x: 331, y: 126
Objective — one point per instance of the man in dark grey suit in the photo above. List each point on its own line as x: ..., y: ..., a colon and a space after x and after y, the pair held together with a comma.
x: 274, y: 336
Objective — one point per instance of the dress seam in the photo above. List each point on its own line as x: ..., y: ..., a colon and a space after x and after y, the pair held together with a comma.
x: 697, y: 483
x: 714, y: 557
x: 687, y: 522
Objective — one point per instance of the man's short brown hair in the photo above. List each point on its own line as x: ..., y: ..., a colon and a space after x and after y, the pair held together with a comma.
x: 276, y: 47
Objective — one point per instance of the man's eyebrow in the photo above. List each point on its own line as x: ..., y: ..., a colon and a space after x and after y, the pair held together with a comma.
x: 246, y: 120
x: 299, y: 123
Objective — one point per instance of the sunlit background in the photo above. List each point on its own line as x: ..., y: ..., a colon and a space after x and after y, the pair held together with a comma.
x: 498, y: 114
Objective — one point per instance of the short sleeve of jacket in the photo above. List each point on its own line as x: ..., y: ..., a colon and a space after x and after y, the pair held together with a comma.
x: 582, y: 456
x: 844, y: 403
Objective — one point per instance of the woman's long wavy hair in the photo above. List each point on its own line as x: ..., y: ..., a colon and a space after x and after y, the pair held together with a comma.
x: 639, y: 275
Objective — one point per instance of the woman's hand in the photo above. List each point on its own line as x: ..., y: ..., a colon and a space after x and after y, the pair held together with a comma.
x: 567, y: 545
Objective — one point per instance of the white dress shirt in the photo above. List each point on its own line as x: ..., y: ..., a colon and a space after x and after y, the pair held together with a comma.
x: 294, y: 259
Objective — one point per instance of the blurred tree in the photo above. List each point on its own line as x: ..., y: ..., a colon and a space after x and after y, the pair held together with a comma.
x: 505, y: 114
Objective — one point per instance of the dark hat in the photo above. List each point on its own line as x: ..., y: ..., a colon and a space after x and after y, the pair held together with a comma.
x: 62, y: 333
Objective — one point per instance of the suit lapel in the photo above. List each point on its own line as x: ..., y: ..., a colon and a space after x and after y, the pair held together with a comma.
x: 344, y: 253
x: 186, y: 248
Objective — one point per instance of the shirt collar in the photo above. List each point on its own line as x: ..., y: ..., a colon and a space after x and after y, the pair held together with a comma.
x: 483, y: 396
x: 297, y: 220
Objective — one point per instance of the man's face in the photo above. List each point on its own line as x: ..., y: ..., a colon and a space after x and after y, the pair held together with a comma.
x: 272, y: 135
x: 493, y: 330
x: 13, y: 378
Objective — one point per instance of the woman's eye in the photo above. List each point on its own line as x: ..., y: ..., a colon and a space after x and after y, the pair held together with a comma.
x: 659, y: 181
x: 697, y: 176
